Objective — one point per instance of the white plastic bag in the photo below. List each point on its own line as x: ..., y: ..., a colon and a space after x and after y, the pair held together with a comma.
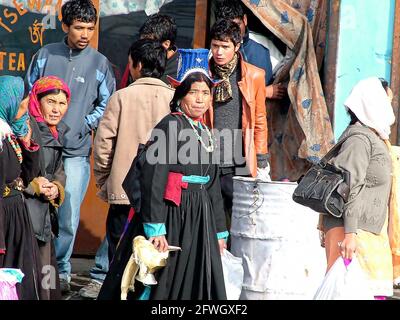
x: 345, y: 283
x: 233, y: 275
x: 263, y: 174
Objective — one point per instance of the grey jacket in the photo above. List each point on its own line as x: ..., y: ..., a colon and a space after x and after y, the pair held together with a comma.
x: 89, y: 76
x: 367, y: 159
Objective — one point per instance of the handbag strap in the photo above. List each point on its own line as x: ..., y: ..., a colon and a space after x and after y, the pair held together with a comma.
x: 331, y: 153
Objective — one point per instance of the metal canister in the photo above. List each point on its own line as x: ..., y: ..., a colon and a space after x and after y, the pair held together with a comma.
x: 277, y: 239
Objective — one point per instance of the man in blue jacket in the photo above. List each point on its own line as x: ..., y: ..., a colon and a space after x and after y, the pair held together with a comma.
x: 91, y: 80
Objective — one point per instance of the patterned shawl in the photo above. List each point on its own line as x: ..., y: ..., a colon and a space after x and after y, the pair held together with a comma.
x: 11, y: 95
x: 43, y: 85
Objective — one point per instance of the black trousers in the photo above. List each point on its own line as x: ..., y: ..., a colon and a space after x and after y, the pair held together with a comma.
x: 226, y: 180
x: 116, y: 219
x: 227, y: 190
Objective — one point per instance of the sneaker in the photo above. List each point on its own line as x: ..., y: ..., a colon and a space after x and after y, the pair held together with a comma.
x: 91, y: 291
x: 64, y: 285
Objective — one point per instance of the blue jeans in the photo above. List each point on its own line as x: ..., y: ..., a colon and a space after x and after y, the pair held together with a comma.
x: 100, y: 268
x: 77, y: 170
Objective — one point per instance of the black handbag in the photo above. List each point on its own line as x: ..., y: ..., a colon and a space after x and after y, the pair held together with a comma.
x: 324, y: 188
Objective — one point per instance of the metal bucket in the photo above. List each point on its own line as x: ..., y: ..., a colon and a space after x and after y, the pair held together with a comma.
x: 278, y: 241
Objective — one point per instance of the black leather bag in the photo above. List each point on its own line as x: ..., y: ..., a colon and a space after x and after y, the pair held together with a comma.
x: 324, y: 188
x: 131, y: 183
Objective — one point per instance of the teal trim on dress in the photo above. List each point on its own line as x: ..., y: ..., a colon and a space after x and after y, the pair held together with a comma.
x: 223, y: 235
x: 146, y: 293
x: 15, y: 274
x: 196, y: 179
x: 154, y: 229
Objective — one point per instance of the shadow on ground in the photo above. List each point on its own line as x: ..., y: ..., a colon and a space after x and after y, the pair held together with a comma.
x: 80, y: 277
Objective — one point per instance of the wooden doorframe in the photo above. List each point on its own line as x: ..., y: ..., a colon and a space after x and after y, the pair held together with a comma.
x: 395, y: 74
x: 331, y: 58
x: 201, y: 24
x: 94, y: 43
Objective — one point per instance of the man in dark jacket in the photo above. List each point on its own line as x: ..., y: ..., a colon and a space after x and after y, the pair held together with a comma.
x: 90, y: 78
x: 162, y: 28
x: 252, y: 52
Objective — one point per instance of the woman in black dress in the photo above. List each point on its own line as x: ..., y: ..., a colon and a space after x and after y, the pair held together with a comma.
x: 19, y: 165
x: 181, y: 202
x: 48, y: 103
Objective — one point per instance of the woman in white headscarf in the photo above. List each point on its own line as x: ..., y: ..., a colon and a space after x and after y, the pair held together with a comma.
x: 363, y: 228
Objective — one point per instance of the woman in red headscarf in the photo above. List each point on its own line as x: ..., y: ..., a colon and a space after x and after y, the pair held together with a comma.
x: 48, y: 103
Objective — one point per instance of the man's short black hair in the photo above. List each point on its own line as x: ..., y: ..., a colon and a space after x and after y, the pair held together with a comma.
x: 151, y: 54
x: 160, y: 27
x: 229, y: 10
x: 79, y: 10
x: 225, y: 30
